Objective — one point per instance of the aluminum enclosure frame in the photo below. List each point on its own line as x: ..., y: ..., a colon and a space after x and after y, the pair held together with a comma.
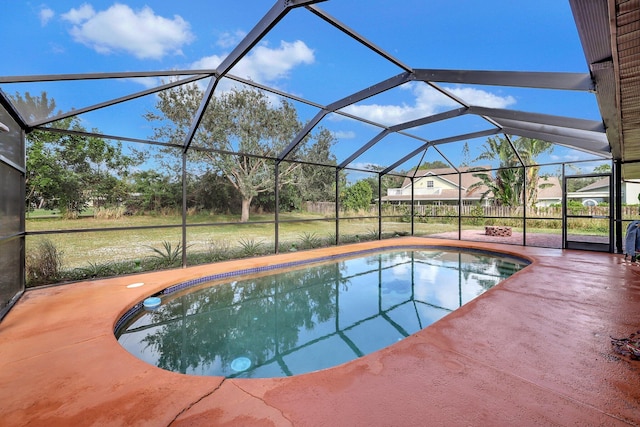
x: 589, y: 136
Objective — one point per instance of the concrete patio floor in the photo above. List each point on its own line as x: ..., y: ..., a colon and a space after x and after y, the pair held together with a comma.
x: 534, y: 350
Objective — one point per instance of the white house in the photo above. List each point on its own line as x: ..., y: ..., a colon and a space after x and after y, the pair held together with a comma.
x: 598, y: 192
x: 444, y: 186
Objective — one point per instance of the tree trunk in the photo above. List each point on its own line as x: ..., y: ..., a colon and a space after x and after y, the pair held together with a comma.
x: 246, y: 202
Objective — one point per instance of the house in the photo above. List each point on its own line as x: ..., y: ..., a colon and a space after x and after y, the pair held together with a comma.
x: 445, y: 186
x: 598, y: 192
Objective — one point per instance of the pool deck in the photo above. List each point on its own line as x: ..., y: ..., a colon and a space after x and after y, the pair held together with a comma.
x: 534, y: 350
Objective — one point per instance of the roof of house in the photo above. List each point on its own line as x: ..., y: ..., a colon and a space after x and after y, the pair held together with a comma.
x: 553, y: 191
x: 601, y: 183
x: 449, y: 174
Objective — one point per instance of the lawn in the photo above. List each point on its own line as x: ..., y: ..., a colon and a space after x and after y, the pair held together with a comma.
x: 83, y: 247
x: 123, y: 248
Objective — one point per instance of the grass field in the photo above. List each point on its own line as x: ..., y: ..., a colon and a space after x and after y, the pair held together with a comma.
x: 84, y: 252
x: 82, y: 246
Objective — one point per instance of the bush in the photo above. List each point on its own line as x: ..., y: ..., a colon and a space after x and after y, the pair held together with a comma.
x: 309, y: 241
x: 109, y: 213
x: 168, y: 256
x: 43, y: 264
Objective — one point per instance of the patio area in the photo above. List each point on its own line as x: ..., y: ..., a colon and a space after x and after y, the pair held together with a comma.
x: 534, y: 350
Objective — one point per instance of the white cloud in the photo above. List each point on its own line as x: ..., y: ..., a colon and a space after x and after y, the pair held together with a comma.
x: 344, y: 134
x: 147, y: 82
x: 76, y: 16
x: 481, y: 98
x: 569, y: 157
x: 45, y: 15
x: 427, y: 101
x: 228, y: 40
x: 366, y: 166
x: 264, y: 64
x: 207, y: 63
x: 119, y: 28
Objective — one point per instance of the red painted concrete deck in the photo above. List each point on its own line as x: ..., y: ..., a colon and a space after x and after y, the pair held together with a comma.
x: 535, y: 350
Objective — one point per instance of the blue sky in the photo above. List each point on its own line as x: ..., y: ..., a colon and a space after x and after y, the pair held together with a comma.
x: 304, y: 56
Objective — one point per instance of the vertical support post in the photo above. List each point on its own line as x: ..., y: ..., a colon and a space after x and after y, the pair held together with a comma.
x: 276, y: 191
x: 23, y: 213
x: 184, y: 209
x: 564, y: 207
x: 617, y: 186
x: 459, y: 205
x: 526, y: 204
x: 413, y: 202
x: 379, y: 206
x: 337, y: 212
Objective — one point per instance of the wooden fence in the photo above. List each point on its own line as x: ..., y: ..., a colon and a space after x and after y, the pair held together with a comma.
x: 328, y: 208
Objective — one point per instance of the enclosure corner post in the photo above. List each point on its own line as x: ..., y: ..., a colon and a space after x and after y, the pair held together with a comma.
x: 617, y: 173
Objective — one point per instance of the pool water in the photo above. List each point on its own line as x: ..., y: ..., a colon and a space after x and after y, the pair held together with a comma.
x: 311, y: 318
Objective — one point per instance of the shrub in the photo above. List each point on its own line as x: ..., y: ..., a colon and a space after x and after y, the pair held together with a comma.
x: 168, y: 256
x: 109, y: 213
x: 219, y: 250
x: 94, y: 270
x: 43, y: 264
x: 250, y: 247
x: 309, y: 241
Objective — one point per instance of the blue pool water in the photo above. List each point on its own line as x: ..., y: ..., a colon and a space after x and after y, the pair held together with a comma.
x: 284, y: 323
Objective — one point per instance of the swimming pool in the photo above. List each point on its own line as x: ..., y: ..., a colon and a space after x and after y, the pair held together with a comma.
x: 274, y: 323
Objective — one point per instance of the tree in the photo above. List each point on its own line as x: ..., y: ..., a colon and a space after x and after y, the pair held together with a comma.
x: 65, y: 171
x: 604, y: 168
x: 510, y: 181
x: 357, y: 196
x: 153, y: 191
x: 436, y: 164
x: 387, y: 181
x: 240, y: 136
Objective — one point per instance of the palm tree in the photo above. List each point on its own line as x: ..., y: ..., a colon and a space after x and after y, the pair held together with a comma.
x: 510, y: 181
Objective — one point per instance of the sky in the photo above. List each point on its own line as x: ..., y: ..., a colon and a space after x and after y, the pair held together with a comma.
x: 304, y: 56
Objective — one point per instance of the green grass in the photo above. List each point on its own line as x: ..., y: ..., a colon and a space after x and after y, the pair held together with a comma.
x: 90, y: 253
x: 86, y: 248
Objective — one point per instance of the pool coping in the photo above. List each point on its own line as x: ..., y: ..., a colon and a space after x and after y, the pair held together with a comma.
x: 533, y: 350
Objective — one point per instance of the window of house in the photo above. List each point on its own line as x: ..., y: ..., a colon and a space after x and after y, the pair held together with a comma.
x: 429, y: 184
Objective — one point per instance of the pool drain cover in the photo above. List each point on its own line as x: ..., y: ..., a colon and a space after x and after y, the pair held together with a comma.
x: 241, y: 364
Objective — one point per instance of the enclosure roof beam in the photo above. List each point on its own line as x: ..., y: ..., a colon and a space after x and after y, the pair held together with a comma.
x: 13, y: 112
x: 594, y: 147
x: 539, y: 80
x: 430, y: 119
x: 302, y: 134
x: 499, y: 114
x: 274, y: 91
x: 268, y: 21
x: 364, y: 148
x: 471, y: 135
x: 370, y: 91
x: 513, y: 148
x: 359, y: 38
x: 115, y: 101
x: 397, y: 128
x: 344, y: 102
x: 102, y: 76
x: 596, y: 141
